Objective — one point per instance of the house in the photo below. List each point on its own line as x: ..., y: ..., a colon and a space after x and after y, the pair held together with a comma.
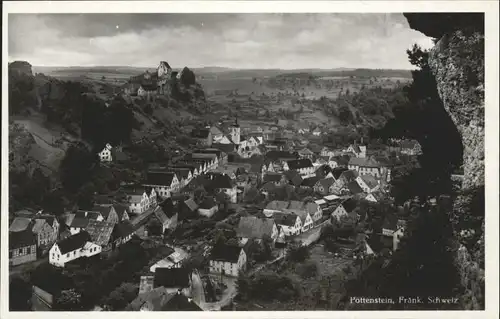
x: 101, y: 234
x: 140, y: 199
x: 108, y: 212
x: 375, y: 196
x: 410, y: 147
x: 208, y: 207
x: 227, y: 260
x: 174, y: 260
x: 345, y: 208
x: 203, y: 136
x: 74, y: 247
x: 293, y: 178
x: 303, y: 166
x: 122, y: 233
x: 173, y: 279
x: 310, y: 182
x: 275, y: 178
x: 291, y: 224
x: 147, y: 90
x: 325, y: 151
x: 22, y: 247
x: 369, y: 166
x: 163, y: 183
x: 258, y: 229
x: 275, y: 206
x: 117, y: 155
x: 368, y: 183
x: 358, y: 151
x: 159, y: 299
x: 317, y: 131
x: 314, y: 210
x: 187, y: 208
x: 305, y: 218
x: 305, y: 153
x: 354, y: 188
x: 223, y: 183
x: 324, y: 185
x: 167, y: 216
x: 46, y: 233
x: 80, y: 220
x: 105, y: 154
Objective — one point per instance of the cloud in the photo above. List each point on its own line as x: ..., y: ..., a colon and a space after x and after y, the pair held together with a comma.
x: 230, y: 40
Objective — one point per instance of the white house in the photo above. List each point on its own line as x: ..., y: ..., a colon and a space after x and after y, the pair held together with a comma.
x: 275, y: 206
x: 227, y: 260
x: 369, y: 166
x: 305, y: 218
x: 163, y: 183
x: 208, y: 207
x: 291, y: 224
x: 303, y: 166
x: 71, y: 248
x: 325, y: 151
x: 314, y: 211
x: 141, y: 200
x: 105, y: 155
x: 359, y: 151
x: 258, y: 229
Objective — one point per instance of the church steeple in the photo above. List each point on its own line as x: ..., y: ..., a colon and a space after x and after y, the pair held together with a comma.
x: 235, y: 132
x: 236, y: 121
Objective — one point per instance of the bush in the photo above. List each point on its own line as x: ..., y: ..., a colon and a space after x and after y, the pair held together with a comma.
x: 299, y: 253
x: 308, y: 269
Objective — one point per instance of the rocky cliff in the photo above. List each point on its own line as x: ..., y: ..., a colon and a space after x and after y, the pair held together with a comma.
x: 457, y: 62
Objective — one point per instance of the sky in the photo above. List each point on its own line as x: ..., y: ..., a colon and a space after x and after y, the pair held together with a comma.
x: 244, y: 41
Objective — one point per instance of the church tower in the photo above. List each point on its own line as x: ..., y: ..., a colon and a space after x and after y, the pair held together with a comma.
x: 235, y: 132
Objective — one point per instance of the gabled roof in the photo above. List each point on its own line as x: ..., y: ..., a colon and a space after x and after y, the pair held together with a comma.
x: 299, y: 212
x: 285, y: 219
x: 50, y: 219
x: 121, y: 210
x: 25, y: 213
x: 179, y: 302
x: 293, y: 177
x: 38, y: 225
x: 272, y: 177
x: 369, y: 180
x: 224, y: 252
x: 219, y: 181
x: 349, y: 205
x: 268, y: 187
x: 79, y: 222
x: 354, y: 187
x: 100, y: 232
x: 255, y: 228
x: 161, y: 215
x: 349, y: 175
x: 215, y: 130
x: 228, y: 148
x: 409, y: 144
x: 20, y: 224
x: 337, y: 172
x: 208, y: 203
x: 74, y: 242
x: 277, y: 205
x: 171, y: 278
x: 20, y: 239
x: 160, y: 178
x: 295, y: 204
x: 326, y: 182
x: 306, y: 151
x: 311, y: 181
x: 300, y: 163
x: 105, y: 210
x: 390, y: 222
x: 364, y: 162
x: 279, y: 155
x: 191, y: 204
x: 356, y: 148
x: 123, y: 229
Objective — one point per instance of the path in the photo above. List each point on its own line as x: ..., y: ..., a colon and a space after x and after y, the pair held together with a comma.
x: 226, y: 298
x: 197, y: 285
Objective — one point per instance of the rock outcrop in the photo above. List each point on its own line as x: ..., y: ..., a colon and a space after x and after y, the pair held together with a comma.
x: 457, y: 62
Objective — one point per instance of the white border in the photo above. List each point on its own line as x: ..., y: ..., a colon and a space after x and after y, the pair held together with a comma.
x: 491, y: 142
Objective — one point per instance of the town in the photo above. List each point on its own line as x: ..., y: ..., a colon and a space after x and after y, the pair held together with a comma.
x: 178, y: 189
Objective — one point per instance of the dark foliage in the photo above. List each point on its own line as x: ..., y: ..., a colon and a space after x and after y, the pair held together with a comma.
x: 76, y: 167
x: 20, y: 294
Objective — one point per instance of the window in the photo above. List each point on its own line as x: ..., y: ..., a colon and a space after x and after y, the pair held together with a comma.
x: 67, y: 255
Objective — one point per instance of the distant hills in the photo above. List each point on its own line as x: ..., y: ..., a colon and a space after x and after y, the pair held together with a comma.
x: 225, y: 71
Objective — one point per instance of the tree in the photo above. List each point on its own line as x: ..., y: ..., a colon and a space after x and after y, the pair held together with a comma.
x: 298, y: 253
x: 119, y: 298
x: 76, y: 167
x: 69, y: 300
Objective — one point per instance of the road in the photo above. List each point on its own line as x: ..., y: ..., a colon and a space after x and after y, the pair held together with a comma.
x: 198, y: 291
x: 16, y: 270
